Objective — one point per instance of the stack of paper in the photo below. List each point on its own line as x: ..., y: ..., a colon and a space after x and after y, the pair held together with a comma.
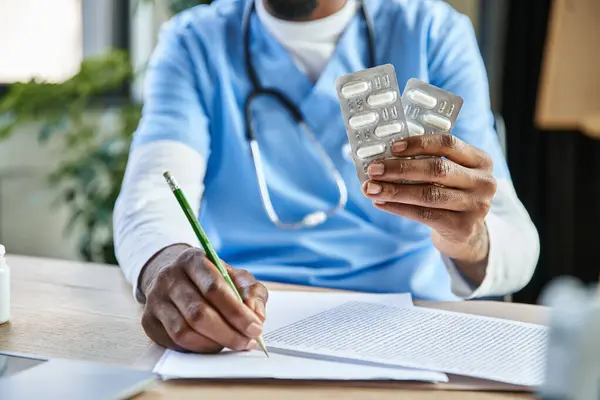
x: 286, y: 308
x: 336, y: 336
x: 461, y: 344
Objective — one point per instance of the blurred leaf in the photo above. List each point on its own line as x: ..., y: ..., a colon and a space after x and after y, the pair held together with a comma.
x: 85, y: 246
x: 104, y: 215
x: 6, y: 130
x: 70, y: 195
x: 176, y: 6
x: 108, y: 253
x: 49, y: 128
x: 73, y: 220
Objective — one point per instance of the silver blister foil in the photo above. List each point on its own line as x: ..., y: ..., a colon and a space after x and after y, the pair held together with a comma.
x: 373, y: 114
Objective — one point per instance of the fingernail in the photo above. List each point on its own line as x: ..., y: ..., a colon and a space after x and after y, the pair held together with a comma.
x: 376, y: 169
x: 259, y: 309
x: 254, y: 330
x: 373, y: 188
x: 252, y: 345
x: 399, y: 147
x: 379, y: 202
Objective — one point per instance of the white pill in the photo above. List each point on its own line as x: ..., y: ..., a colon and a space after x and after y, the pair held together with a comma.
x: 361, y: 120
x: 355, y: 88
x: 382, y: 99
x: 370, y: 151
x: 415, y: 129
x: 389, y: 129
x: 441, y: 123
x: 422, y: 99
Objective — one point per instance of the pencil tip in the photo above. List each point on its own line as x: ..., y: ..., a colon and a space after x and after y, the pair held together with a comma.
x: 263, y: 346
x: 167, y: 174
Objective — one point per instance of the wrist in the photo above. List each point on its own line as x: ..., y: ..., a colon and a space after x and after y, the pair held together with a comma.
x: 475, y: 249
x: 470, y: 255
x: 160, y: 260
x: 472, y: 261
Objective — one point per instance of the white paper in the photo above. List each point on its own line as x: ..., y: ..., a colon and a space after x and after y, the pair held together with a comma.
x: 285, y: 308
x: 254, y: 364
x: 413, y: 337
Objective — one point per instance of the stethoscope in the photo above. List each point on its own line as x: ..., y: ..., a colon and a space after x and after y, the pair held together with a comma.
x: 317, y: 217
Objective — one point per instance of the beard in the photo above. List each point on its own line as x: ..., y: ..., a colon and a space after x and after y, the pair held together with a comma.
x: 292, y: 10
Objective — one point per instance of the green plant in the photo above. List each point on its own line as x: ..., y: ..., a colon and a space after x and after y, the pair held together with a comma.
x: 176, y: 6
x: 179, y: 5
x: 92, y: 153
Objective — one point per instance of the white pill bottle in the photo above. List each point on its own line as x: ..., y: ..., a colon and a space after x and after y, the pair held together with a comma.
x: 4, y: 288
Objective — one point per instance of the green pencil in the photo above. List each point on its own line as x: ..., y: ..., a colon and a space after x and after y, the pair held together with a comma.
x: 210, y: 251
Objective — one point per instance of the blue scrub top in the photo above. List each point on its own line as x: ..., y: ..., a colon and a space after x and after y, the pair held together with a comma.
x: 196, y: 88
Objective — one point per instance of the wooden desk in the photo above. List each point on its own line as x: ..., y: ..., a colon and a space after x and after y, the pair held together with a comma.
x: 85, y: 311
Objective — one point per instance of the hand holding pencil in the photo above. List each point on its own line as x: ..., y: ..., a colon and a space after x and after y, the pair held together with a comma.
x: 190, y: 307
x: 227, y: 291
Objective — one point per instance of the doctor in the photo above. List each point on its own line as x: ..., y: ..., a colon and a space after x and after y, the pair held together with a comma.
x: 239, y: 70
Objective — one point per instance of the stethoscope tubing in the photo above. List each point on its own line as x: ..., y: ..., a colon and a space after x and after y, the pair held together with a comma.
x: 317, y: 217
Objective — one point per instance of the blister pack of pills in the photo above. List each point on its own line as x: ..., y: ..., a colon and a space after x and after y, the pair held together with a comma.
x: 429, y: 109
x: 376, y: 115
x: 373, y: 114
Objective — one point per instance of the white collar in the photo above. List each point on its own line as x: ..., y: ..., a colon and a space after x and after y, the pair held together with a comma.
x: 322, y: 30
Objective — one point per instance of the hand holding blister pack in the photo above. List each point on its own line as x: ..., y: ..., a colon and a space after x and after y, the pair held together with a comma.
x: 373, y: 114
x: 376, y: 115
